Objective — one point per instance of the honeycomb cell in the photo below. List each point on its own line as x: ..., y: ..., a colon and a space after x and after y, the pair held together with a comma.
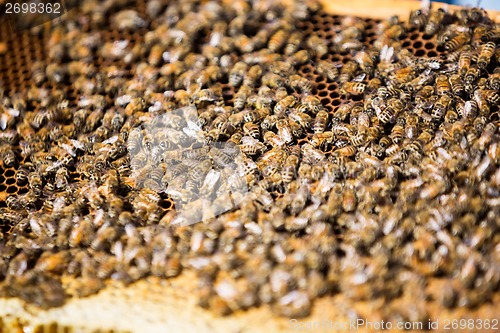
x: 9, y: 173
x: 417, y: 44
x: 429, y: 45
x: 334, y: 94
x: 11, y: 189
x: 420, y: 53
x: 432, y: 54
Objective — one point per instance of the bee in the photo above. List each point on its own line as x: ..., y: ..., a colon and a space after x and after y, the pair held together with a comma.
x: 471, y: 76
x: 364, y: 61
x: 456, y: 84
x: 353, y: 88
x: 277, y: 40
x: 411, y: 126
x: 301, y: 118
x: 293, y: 43
x: 252, y: 130
x: 237, y: 73
x: 456, y: 42
x: 35, y: 182
x: 173, y: 267
x: 347, y: 71
x: 155, y: 55
x: 318, y: 45
x: 273, y: 139
x: 485, y: 53
x: 387, y: 115
x: 61, y: 178
x: 284, y: 130
x: 299, y: 58
x: 252, y: 76
x: 494, y: 79
x: 418, y: 18
x: 241, y: 96
x: 481, y: 102
x: 289, y: 170
x: 464, y: 61
x: 38, y: 73
x: 8, y: 155
x: 491, y: 96
x: 349, y: 200
x: 346, y: 151
x: 434, y: 22
x: 442, y: 85
x: 441, y: 107
x: 284, y: 104
x: 320, y: 122
x: 300, y: 83
x: 397, y: 134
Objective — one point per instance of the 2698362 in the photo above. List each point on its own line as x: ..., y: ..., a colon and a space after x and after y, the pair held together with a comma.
x: 32, y: 8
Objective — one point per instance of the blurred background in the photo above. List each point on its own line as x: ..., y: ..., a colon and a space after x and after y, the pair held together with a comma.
x: 486, y: 4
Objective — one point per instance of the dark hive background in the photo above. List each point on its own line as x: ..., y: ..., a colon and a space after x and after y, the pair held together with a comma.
x: 401, y: 210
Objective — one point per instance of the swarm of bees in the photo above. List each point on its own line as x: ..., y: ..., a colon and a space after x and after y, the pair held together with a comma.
x: 391, y: 189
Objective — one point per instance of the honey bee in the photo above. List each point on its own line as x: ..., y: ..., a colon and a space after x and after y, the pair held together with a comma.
x: 252, y: 130
x: 364, y: 61
x: 300, y: 83
x: 457, y: 42
x: 441, y: 107
x: 481, y: 102
x: 299, y: 58
x: 277, y: 40
x: 289, y: 170
x: 353, y: 88
x: 252, y: 76
x: 464, y: 61
x: 301, y: 118
x: 320, y: 122
x: 293, y: 43
x: 318, y: 45
x: 284, y: 104
x: 8, y: 155
x: 284, y: 131
x: 491, y: 96
x: 485, y: 54
x: 237, y: 73
x: 456, y: 84
x: 434, y: 22
x: 418, y: 18
x: 442, y: 85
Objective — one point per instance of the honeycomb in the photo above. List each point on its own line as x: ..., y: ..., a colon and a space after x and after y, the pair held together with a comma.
x: 27, y: 47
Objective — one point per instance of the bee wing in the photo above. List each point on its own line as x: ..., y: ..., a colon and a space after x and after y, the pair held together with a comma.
x: 387, y: 54
x: 425, y: 5
x: 359, y: 78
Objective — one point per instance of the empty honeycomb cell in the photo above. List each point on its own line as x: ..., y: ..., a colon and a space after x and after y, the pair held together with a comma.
x: 9, y: 173
x: 323, y: 93
x: 11, y: 189
x: 334, y: 95
x: 336, y: 102
x: 419, y: 53
x: 326, y: 101
x: 417, y: 44
x: 432, y: 54
x: 415, y: 36
x: 429, y: 46
x: 10, y: 181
